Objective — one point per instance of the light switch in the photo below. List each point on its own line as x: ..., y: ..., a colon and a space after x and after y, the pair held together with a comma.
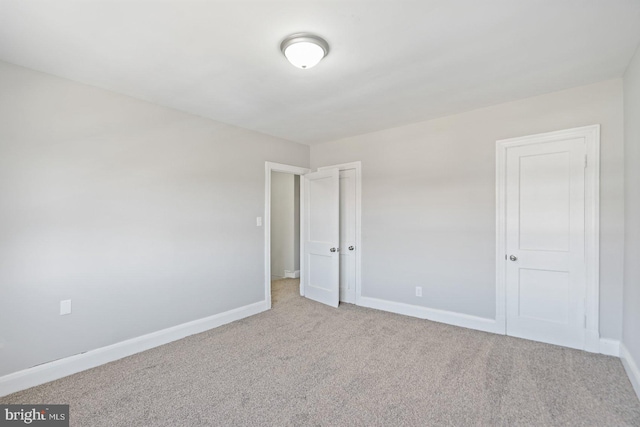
x: 65, y: 307
x: 259, y: 221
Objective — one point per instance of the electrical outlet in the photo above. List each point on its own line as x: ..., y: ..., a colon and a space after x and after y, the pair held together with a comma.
x: 259, y: 221
x: 65, y: 307
x: 418, y: 291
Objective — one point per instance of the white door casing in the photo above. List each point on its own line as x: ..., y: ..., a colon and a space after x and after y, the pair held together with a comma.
x: 320, y: 234
x: 547, y: 237
x: 268, y: 168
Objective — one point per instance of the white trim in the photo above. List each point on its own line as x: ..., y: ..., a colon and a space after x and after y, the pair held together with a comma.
x: 591, y: 134
x: 442, y: 316
x: 631, y: 366
x: 268, y: 168
x: 609, y: 347
x: 501, y: 221
x: 358, y: 168
x: 291, y: 274
x: 606, y: 346
x: 592, y: 232
x: 56, y: 369
x: 592, y: 341
x: 302, y: 236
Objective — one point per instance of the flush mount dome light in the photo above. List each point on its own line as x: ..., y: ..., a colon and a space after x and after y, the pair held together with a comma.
x: 304, y: 50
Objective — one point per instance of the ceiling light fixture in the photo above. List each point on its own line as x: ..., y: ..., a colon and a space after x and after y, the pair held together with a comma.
x: 304, y: 50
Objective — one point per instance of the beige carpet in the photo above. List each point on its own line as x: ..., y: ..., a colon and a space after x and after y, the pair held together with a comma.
x: 302, y: 363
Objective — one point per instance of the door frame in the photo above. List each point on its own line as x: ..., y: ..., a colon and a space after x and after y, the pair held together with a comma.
x: 591, y: 135
x: 268, y: 168
x: 358, y: 168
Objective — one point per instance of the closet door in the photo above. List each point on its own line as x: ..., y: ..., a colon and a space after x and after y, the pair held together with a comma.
x: 545, y: 242
x: 348, y: 236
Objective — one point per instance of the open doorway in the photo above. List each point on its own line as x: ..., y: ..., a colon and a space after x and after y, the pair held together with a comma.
x: 285, y: 234
x: 326, y: 255
x: 282, y: 226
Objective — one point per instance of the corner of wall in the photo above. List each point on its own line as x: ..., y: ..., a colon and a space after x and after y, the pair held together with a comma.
x: 631, y: 366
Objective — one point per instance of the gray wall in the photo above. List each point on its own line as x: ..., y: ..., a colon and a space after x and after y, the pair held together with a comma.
x: 285, y: 223
x: 428, y: 199
x: 144, y: 216
x: 631, y: 338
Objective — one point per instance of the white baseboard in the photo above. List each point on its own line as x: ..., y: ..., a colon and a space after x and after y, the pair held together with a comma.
x: 292, y: 274
x: 609, y: 347
x: 592, y: 342
x: 442, y: 316
x: 631, y: 366
x: 70, y: 365
x: 596, y: 345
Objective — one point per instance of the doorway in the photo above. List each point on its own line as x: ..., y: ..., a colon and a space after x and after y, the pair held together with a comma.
x: 285, y: 258
x: 285, y: 235
x: 350, y: 239
x: 330, y: 253
x: 547, y: 234
x: 285, y: 225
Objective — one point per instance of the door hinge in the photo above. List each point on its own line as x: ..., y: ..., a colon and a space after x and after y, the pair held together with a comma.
x: 585, y: 161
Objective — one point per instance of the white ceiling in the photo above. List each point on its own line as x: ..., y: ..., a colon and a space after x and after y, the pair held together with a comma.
x: 392, y: 62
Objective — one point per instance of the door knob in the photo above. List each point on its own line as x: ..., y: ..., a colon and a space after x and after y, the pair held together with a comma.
x: 332, y: 249
x: 351, y: 248
x: 513, y: 258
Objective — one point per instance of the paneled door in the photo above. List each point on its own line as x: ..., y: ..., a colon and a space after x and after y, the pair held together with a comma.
x: 545, y: 242
x: 348, y: 236
x: 321, y: 236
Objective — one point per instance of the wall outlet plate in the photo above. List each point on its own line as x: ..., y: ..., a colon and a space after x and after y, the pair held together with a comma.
x: 65, y: 307
x: 418, y: 291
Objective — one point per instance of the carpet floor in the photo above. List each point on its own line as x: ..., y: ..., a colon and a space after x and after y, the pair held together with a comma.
x: 303, y: 363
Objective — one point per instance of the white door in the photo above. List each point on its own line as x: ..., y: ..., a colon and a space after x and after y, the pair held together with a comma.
x: 545, y: 242
x: 348, y: 236
x: 321, y: 236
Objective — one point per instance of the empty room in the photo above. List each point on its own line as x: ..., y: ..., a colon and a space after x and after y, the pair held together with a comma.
x: 319, y: 212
